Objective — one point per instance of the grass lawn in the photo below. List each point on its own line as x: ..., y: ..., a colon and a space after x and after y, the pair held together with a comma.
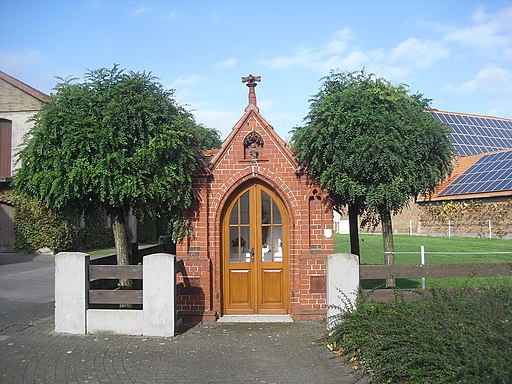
x: 102, y: 252
x: 460, y: 335
x: 447, y: 251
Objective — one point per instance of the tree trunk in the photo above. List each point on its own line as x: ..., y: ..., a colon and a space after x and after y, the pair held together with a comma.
x: 353, y: 211
x: 121, y: 241
x: 389, y: 247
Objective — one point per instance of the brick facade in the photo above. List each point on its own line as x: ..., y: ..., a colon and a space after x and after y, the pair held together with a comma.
x: 232, y: 168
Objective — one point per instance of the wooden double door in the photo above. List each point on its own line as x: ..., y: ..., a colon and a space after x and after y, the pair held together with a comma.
x: 255, y: 252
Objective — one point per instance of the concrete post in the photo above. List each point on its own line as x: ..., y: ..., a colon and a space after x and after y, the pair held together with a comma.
x: 159, y: 295
x: 342, y: 283
x: 71, y: 289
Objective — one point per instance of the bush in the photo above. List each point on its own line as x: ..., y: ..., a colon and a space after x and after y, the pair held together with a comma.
x: 457, y: 336
x: 149, y: 230
x: 94, y: 235
x: 36, y: 227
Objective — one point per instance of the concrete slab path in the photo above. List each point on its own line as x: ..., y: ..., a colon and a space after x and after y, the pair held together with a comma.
x: 31, y: 352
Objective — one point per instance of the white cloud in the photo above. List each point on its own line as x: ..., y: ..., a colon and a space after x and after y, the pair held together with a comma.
x: 169, y: 15
x: 10, y: 60
x: 400, y: 61
x: 285, y: 118
x: 228, y: 63
x: 393, y: 73
x: 419, y: 53
x: 187, y: 81
x: 140, y: 10
x: 489, y: 79
x: 315, y: 59
x: 500, y: 107
x: 224, y: 121
x: 338, y: 45
x: 351, y: 62
x: 303, y: 57
x: 489, y: 33
x: 266, y: 104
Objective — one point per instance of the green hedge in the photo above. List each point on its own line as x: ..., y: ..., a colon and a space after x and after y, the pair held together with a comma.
x: 458, y: 336
x: 37, y: 227
x: 94, y: 235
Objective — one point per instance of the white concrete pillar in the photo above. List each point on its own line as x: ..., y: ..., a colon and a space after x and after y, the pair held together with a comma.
x: 71, y: 290
x: 342, y: 283
x: 159, y: 295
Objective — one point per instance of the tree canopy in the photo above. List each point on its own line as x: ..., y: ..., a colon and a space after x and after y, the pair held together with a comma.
x: 117, y: 140
x: 372, y: 144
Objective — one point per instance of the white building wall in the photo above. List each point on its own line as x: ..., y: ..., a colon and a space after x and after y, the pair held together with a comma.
x: 20, y: 126
x: 340, y: 224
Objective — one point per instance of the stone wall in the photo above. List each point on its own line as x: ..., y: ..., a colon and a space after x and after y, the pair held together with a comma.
x: 490, y: 217
x: 15, y: 100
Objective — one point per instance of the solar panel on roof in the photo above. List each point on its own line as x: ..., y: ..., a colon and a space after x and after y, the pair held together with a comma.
x: 492, y: 173
x: 474, y: 134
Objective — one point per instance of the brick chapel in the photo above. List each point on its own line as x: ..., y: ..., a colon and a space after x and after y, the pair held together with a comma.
x: 262, y: 232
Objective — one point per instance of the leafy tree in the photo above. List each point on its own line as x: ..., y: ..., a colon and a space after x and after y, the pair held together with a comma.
x: 373, y: 146
x: 116, y: 140
x: 208, y: 137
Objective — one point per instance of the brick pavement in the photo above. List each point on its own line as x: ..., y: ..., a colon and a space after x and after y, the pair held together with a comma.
x: 31, y: 352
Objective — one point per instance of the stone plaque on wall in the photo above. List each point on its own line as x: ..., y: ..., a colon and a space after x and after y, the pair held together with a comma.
x: 317, y: 284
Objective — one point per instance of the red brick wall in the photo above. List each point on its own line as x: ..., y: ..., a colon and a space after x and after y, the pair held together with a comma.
x: 309, y: 216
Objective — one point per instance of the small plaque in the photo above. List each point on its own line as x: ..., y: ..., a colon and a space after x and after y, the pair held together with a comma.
x: 317, y: 284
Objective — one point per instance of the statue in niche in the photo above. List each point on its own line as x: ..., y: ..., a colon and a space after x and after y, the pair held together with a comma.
x: 253, y: 144
x: 253, y: 152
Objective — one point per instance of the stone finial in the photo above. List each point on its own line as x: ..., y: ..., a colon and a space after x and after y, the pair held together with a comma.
x: 251, y: 83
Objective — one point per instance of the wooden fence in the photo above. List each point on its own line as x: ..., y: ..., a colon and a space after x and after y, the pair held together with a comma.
x: 115, y: 296
x: 104, y: 276
x: 369, y: 272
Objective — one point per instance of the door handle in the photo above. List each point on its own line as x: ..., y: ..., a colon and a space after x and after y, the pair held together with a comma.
x: 252, y: 254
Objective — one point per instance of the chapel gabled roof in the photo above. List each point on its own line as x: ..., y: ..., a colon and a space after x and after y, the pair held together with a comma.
x: 252, y: 111
x: 43, y: 97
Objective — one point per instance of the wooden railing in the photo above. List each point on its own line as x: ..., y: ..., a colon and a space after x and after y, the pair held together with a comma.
x: 104, y: 275
x: 115, y: 296
x: 369, y: 272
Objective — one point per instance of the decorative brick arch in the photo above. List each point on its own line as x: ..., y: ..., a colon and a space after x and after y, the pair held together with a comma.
x: 228, y: 188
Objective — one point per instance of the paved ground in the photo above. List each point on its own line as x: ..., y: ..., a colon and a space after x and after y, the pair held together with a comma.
x: 31, y: 352
x: 25, y: 280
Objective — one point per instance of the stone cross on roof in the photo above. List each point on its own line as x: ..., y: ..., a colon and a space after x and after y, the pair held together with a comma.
x: 251, y: 80
x: 251, y: 83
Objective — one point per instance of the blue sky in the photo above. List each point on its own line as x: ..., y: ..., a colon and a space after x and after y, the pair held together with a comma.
x: 456, y: 52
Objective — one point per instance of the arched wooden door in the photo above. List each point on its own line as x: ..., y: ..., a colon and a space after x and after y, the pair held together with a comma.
x: 255, y: 252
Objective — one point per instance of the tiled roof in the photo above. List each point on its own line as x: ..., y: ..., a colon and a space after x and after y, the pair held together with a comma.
x: 24, y: 87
